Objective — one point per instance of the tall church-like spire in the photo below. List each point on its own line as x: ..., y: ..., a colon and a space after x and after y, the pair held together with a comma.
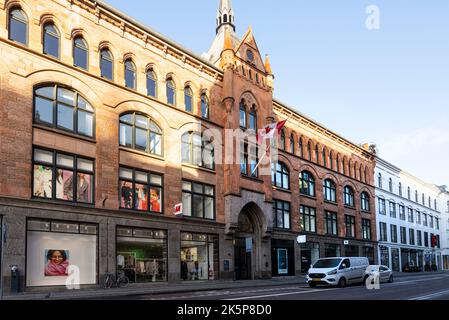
x: 225, y: 15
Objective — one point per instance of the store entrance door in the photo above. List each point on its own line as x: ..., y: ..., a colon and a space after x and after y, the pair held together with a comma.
x: 242, y: 260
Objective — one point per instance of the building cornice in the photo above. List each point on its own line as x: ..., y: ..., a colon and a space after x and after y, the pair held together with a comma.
x: 149, y: 36
x: 293, y: 114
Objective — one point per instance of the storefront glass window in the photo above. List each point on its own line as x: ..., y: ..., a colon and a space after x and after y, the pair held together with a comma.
x: 199, y: 257
x: 142, y: 254
x: 54, y: 248
x: 310, y: 253
x: 332, y: 250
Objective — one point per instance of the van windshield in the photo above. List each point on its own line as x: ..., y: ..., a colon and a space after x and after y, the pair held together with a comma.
x: 327, y: 263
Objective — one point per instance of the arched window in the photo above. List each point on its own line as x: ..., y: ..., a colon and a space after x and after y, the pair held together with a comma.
x: 151, y: 83
x: 390, y: 185
x: 344, y: 167
x: 430, y: 202
x: 400, y: 189
x: 242, y: 115
x: 317, y: 154
x: 140, y: 132
x: 280, y: 176
x: 355, y: 171
x: 63, y: 108
x: 379, y: 180
x: 409, y: 194
x: 107, y: 64
x: 197, y: 151
x: 329, y: 191
x: 80, y: 53
x: 171, y: 91
x: 324, y: 158
x: 331, y: 161
x: 205, y: 106
x: 130, y: 74
x: 349, y: 196
x: 338, y: 164
x: 366, y: 175
x: 282, y: 141
x: 188, y: 99
x: 365, y: 201
x: 307, y: 184
x: 423, y: 199
x: 301, y: 146
x: 309, y: 151
x: 292, y: 144
x: 253, y: 119
x: 18, y: 26
x: 51, y: 40
x: 225, y: 18
x: 416, y: 196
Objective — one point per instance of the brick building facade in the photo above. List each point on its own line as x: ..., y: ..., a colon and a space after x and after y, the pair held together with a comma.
x: 100, y: 131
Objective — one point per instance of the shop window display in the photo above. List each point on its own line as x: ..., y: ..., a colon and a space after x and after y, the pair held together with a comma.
x: 55, y: 249
x: 63, y: 177
x: 142, y: 254
x: 199, y: 257
x: 140, y: 190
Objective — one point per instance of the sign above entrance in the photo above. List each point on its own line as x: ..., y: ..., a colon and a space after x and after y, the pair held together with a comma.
x: 301, y: 239
x: 249, y: 245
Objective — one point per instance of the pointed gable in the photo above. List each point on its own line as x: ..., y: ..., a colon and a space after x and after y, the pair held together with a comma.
x: 248, y: 42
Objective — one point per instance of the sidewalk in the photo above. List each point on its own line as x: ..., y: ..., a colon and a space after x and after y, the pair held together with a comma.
x: 156, y: 288
x: 180, y: 287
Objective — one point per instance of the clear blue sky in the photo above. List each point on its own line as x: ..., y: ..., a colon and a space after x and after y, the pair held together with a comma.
x: 389, y: 86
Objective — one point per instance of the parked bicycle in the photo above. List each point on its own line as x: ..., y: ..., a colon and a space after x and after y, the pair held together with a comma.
x: 120, y: 281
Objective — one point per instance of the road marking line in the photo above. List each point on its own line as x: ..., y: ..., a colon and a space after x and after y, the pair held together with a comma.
x: 430, y: 296
x: 279, y: 294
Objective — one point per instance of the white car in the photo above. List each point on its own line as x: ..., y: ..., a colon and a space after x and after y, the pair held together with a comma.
x: 385, y: 274
x: 337, y: 271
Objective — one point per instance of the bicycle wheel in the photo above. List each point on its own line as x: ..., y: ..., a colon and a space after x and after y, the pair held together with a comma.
x: 108, y: 282
x: 123, y: 282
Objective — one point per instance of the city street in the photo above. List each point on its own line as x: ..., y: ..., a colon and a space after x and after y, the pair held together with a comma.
x: 408, y: 287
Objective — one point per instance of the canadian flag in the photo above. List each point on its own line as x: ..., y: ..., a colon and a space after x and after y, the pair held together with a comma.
x: 270, y: 131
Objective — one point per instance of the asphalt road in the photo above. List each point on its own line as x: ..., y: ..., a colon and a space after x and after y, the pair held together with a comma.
x: 413, y: 287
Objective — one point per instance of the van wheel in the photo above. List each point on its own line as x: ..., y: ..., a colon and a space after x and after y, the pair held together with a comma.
x: 391, y: 280
x: 342, y: 283
x: 365, y: 280
x: 312, y: 285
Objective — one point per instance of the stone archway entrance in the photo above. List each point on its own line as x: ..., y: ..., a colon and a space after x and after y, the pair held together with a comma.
x: 247, y: 244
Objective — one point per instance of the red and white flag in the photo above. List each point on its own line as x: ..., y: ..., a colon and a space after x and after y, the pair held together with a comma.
x: 270, y: 131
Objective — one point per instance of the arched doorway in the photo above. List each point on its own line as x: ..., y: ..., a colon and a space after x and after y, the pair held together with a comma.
x: 247, y: 243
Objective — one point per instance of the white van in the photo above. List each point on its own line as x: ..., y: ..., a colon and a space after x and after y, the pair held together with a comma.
x: 337, y: 271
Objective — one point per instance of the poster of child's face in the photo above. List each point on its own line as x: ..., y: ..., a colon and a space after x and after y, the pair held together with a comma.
x: 57, y: 262
x: 155, y: 200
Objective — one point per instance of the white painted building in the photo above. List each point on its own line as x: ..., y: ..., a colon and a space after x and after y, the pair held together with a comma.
x: 408, y: 220
x: 443, y: 200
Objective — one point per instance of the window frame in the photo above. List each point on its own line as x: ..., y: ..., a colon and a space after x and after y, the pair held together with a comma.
x: 192, y: 146
x: 203, y: 195
x: 26, y: 23
x: 108, y: 59
x: 329, y: 189
x: 150, y: 75
x: 205, y: 106
x: 350, y: 222
x: 56, y: 36
x: 149, y: 185
x: 282, y: 169
x: 310, y: 182
x: 365, y: 202
x: 55, y: 104
x: 366, y: 229
x: 55, y: 167
x: 331, y: 220
x: 279, y: 205
x: 348, y: 194
x: 130, y: 69
x: 134, y: 128
x: 306, y: 211
x: 188, y: 96
x: 85, y: 49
